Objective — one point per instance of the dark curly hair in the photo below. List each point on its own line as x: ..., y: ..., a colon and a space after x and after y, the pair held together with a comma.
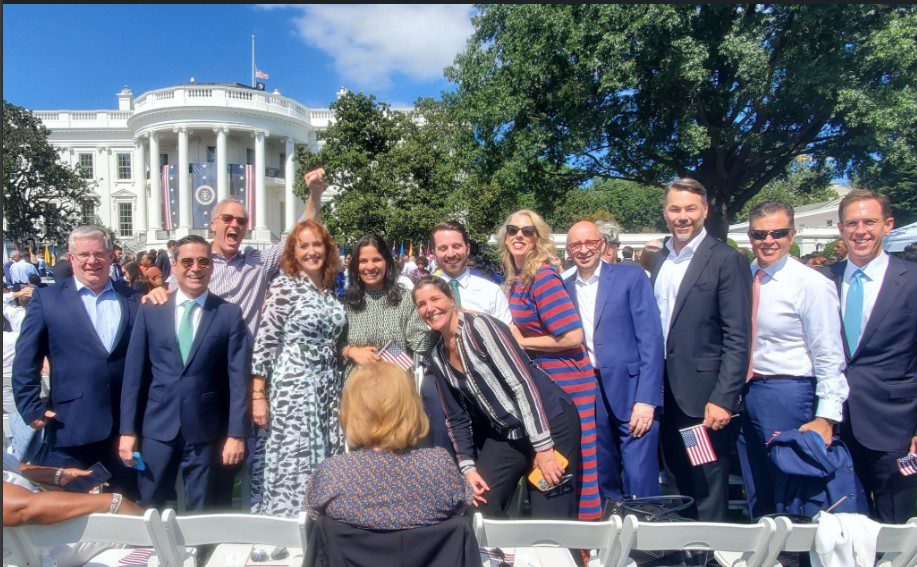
x: 330, y: 266
x: 355, y: 295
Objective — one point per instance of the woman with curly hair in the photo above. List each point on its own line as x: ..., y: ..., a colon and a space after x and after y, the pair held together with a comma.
x: 296, y: 387
x: 547, y: 326
x: 379, y: 309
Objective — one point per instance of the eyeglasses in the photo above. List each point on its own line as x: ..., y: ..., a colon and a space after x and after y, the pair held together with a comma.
x: 527, y: 231
x: 775, y: 234
x: 203, y: 262
x: 242, y: 221
x: 588, y: 244
x: 86, y: 256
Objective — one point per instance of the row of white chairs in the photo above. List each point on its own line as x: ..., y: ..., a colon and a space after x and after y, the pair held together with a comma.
x: 173, y: 538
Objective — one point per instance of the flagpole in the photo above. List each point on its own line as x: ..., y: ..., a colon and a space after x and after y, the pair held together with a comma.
x: 253, y: 60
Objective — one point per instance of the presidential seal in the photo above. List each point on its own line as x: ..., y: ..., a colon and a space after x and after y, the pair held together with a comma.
x: 205, y: 195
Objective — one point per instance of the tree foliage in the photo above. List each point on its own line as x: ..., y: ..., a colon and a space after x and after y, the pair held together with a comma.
x: 636, y: 207
x: 729, y: 94
x: 803, y: 183
x: 43, y: 198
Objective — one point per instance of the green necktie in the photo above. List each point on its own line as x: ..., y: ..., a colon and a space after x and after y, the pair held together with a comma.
x: 186, y: 329
x: 453, y: 283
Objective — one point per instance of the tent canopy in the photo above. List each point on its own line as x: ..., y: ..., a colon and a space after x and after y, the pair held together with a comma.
x: 899, y: 238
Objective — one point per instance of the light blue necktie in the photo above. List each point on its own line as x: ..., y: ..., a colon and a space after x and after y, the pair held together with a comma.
x: 853, y: 311
x: 186, y: 330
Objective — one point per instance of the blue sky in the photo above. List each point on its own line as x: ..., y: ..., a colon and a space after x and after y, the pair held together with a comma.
x: 58, y: 57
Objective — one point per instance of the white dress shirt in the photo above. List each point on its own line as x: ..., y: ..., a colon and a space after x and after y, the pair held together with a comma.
x: 798, y: 332
x: 480, y: 294
x: 873, y: 276
x: 586, y: 293
x: 671, y: 273
x: 180, y: 299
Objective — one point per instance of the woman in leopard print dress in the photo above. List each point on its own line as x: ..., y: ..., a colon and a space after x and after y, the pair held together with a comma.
x: 296, y: 387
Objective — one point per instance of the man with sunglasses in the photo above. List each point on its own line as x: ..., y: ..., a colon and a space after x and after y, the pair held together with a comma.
x: 185, y: 398
x: 795, y: 379
x: 624, y: 340
x: 878, y: 295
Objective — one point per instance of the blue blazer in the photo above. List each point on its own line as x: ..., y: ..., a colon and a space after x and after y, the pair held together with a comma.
x: 627, y: 339
x: 882, y: 372
x: 85, y: 378
x: 205, y: 399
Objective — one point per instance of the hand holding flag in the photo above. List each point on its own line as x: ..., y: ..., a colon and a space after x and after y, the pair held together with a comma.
x: 697, y: 443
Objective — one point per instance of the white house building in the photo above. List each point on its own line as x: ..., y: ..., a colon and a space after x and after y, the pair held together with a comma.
x: 134, y: 155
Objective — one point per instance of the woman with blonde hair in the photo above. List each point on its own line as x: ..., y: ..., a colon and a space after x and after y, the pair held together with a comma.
x: 296, y: 384
x: 385, y: 482
x: 548, y: 327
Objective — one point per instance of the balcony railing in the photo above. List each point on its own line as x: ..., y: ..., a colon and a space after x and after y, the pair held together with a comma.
x: 224, y: 95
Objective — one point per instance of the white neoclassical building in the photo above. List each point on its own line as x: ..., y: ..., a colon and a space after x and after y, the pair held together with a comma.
x: 229, y: 139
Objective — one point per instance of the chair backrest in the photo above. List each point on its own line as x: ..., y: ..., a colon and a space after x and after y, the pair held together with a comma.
x: 798, y: 538
x: 207, y: 529
x: 749, y: 540
x: 22, y: 552
x: 145, y: 531
x: 897, y: 545
x: 549, y: 533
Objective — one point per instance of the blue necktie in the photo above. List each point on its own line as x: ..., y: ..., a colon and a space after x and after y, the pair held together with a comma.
x: 186, y: 330
x: 853, y: 311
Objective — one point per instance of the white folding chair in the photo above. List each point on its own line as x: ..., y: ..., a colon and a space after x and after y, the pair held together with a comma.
x: 749, y: 541
x: 145, y: 531
x: 897, y: 545
x: 230, y: 529
x: 794, y: 538
x: 549, y: 533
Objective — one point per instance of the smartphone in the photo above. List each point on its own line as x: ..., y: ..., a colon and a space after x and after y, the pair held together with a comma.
x: 537, y: 479
x: 98, y: 475
x: 138, y: 462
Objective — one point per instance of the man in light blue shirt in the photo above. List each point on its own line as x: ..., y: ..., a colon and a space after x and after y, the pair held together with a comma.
x: 21, y: 269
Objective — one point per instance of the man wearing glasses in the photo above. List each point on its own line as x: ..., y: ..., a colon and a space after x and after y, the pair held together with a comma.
x: 878, y: 296
x: 624, y: 340
x: 795, y: 379
x: 186, y: 385
x: 82, y: 325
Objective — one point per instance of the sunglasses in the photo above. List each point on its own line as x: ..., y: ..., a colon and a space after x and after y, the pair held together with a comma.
x: 775, y: 234
x: 527, y: 231
x: 203, y: 262
x: 565, y: 486
x: 242, y: 221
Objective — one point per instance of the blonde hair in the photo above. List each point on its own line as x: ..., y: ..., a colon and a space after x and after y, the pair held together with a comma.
x: 381, y: 409
x: 544, y: 250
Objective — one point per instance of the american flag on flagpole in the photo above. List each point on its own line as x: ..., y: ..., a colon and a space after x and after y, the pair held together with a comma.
x: 907, y: 465
x: 396, y: 355
x: 697, y: 442
x: 259, y: 74
x: 139, y: 556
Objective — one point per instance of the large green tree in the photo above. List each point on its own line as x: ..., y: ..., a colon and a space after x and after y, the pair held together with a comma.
x: 43, y: 198
x: 729, y: 94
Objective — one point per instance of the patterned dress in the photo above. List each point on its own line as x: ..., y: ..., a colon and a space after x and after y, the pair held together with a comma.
x: 296, y: 351
x: 544, y: 307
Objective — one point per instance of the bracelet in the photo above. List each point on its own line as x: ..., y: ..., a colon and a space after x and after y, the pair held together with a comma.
x: 256, y: 399
x: 256, y: 390
x: 115, y: 503
x: 57, y: 476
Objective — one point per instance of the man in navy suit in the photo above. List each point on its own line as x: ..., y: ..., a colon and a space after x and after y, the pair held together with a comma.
x: 879, y: 310
x: 186, y: 385
x: 624, y: 340
x: 83, y: 325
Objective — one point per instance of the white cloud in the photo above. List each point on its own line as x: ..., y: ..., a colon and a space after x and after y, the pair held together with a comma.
x: 370, y: 43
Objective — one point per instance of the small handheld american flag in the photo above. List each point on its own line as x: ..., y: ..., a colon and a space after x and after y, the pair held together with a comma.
x: 697, y: 442
x: 396, y: 355
x: 907, y: 465
x: 140, y: 556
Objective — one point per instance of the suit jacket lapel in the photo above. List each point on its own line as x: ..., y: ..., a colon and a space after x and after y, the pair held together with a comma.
x: 658, y: 259
x: 169, y: 324
x: 601, y: 296
x: 695, y: 267
x: 837, y: 274
x: 76, y: 306
x: 125, y: 315
x: 210, y: 310
x: 888, y: 294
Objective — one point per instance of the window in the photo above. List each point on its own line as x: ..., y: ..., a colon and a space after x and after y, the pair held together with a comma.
x: 249, y: 156
x: 283, y: 159
x: 124, y: 166
x: 163, y: 159
x: 89, y: 213
x: 211, y: 154
x: 86, y: 166
x: 830, y: 222
x: 125, y: 219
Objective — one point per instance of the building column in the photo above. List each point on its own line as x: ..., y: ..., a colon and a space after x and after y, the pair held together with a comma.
x: 261, y: 232
x: 104, y: 175
x: 222, y: 166
x: 155, y: 209
x: 289, y: 177
x: 184, y: 189
x: 139, y: 172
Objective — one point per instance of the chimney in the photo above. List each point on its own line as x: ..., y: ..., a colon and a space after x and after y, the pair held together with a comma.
x: 125, y: 99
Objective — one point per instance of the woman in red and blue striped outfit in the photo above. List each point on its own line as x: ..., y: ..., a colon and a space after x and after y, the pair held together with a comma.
x: 549, y: 329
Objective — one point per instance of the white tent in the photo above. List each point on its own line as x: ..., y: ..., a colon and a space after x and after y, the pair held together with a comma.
x: 899, y: 238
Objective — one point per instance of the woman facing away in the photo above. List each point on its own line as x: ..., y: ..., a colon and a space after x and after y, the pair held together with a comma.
x: 548, y: 327
x: 505, y: 416
x: 296, y: 385
x: 385, y: 482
